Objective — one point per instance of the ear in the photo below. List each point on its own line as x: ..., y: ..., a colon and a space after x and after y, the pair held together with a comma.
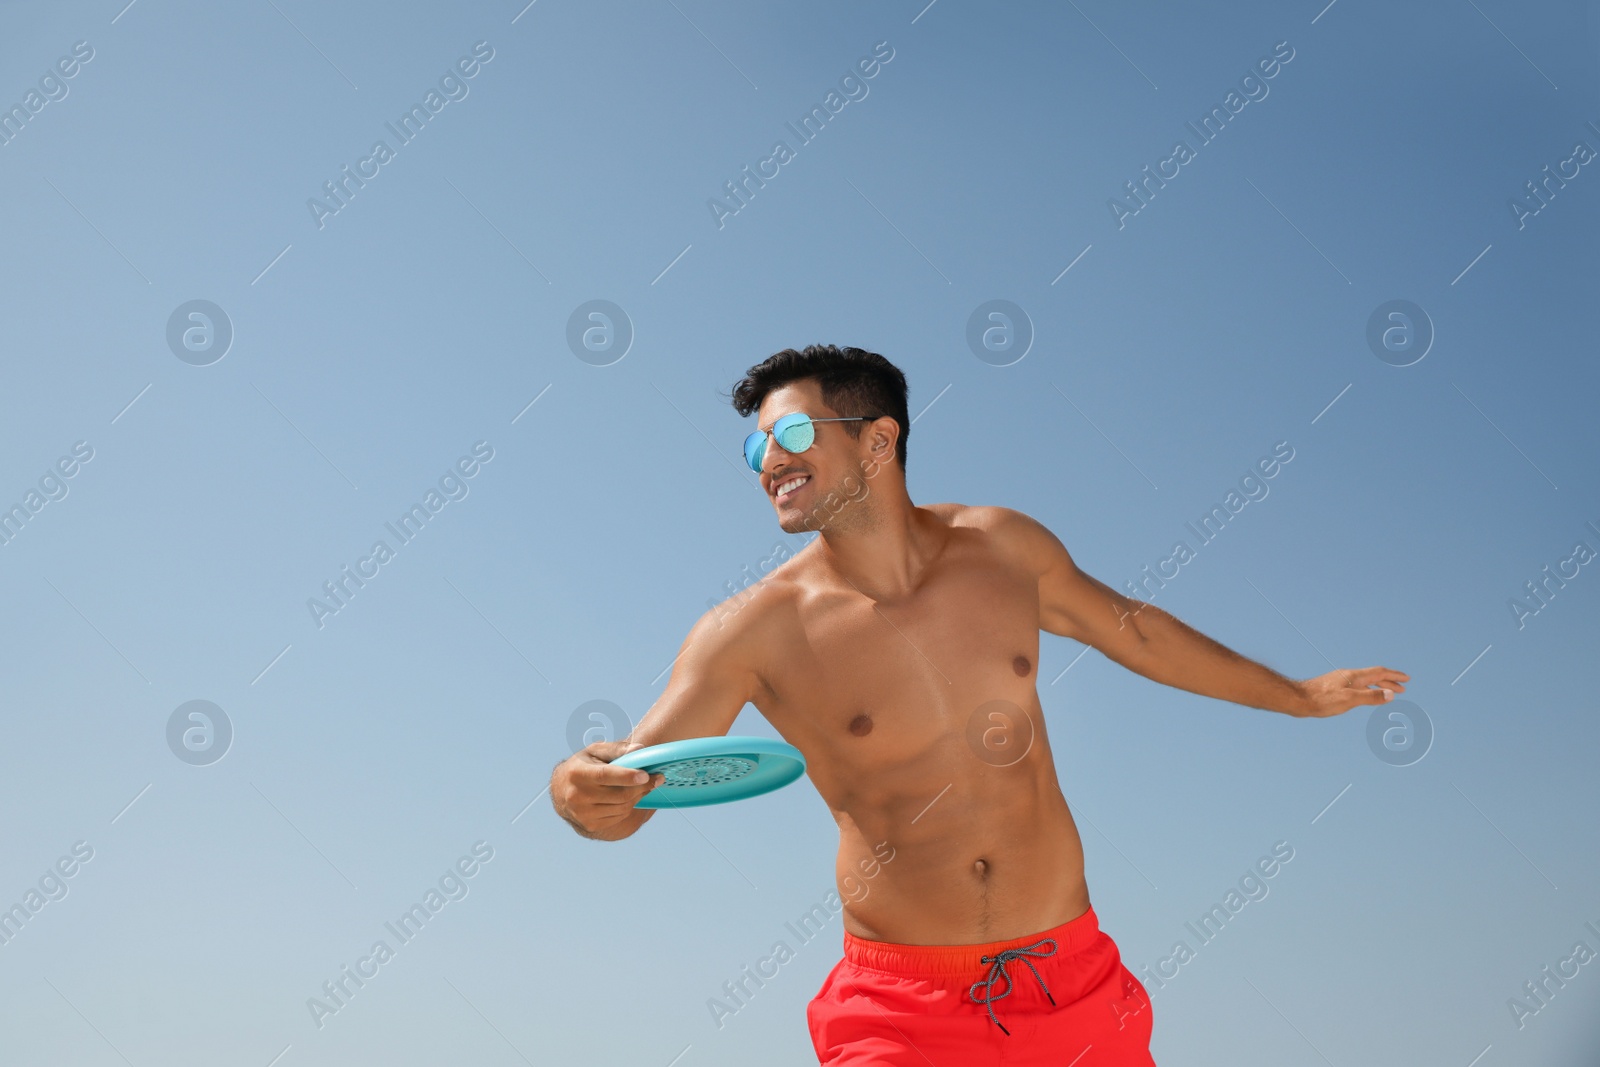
x: 882, y: 434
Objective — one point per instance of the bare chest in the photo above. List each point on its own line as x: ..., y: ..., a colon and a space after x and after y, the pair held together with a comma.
x: 867, y: 686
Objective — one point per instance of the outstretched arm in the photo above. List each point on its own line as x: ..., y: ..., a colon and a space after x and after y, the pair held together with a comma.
x: 1174, y: 653
x: 1152, y: 642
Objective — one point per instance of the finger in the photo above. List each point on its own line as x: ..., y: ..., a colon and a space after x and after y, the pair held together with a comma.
x: 626, y: 824
x: 1382, y: 677
x: 1394, y: 679
x: 599, y: 774
x: 611, y: 805
x: 609, y: 816
x: 618, y: 794
x: 625, y: 795
x: 1389, y: 686
x: 650, y: 786
x: 1385, y: 676
x: 644, y: 787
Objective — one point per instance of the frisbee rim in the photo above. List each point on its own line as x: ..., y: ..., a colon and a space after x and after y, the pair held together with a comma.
x: 778, y: 764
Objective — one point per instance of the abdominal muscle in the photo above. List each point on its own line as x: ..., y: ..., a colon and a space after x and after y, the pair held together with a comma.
x: 996, y: 856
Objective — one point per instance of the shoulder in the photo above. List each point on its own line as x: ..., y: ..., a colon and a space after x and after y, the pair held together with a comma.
x: 978, y: 516
x: 738, y: 635
x: 745, y: 617
x: 1008, y: 531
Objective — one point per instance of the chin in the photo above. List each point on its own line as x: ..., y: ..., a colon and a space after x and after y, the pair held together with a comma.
x: 793, y: 524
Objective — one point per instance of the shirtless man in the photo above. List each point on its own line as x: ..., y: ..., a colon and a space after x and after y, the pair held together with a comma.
x: 899, y: 652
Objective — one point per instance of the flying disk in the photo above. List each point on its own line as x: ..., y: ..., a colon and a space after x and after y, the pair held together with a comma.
x: 714, y: 770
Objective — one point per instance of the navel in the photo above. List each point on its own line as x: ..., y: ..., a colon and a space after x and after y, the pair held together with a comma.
x: 861, y: 725
x: 1021, y: 666
x: 981, y: 867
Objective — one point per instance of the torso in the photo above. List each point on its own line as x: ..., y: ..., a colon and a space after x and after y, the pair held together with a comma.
x: 914, y: 716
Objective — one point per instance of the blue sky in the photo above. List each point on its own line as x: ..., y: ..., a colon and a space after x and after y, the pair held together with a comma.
x: 425, y: 323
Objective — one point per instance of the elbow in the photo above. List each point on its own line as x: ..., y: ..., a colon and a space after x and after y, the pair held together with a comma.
x: 1133, y: 622
x: 1134, y: 643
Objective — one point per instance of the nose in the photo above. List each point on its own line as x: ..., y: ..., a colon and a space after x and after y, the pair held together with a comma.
x: 775, y: 456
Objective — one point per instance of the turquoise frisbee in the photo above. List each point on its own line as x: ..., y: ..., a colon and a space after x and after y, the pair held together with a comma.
x: 714, y: 770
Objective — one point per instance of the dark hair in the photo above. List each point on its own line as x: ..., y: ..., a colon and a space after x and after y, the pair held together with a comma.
x: 853, y: 380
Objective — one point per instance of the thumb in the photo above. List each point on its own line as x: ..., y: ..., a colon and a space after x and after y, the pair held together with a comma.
x: 606, y: 751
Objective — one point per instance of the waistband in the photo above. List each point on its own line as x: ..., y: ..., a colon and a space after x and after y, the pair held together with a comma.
x: 1071, y: 936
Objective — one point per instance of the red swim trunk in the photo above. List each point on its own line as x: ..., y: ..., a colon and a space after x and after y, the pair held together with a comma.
x: 1061, y: 998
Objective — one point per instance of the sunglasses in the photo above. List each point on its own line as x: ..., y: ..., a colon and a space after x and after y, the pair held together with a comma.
x: 794, y: 433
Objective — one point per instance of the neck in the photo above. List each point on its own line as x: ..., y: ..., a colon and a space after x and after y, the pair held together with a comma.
x: 885, y: 555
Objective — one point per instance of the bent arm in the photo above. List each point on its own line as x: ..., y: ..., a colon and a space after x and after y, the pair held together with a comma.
x: 712, y: 679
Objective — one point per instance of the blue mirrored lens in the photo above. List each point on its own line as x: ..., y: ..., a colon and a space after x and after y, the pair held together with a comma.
x: 794, y: 432
x: 755, y: 450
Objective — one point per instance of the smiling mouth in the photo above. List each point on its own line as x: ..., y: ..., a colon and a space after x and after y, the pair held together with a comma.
x: 791, y: 486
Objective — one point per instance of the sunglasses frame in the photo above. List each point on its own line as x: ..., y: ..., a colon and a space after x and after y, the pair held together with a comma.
x: 792, y: 421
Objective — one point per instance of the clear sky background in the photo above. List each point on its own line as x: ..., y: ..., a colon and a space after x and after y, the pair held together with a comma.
x: 1170, y: 348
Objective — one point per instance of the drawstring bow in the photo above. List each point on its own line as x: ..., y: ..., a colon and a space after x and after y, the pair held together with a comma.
x: 997, y: 970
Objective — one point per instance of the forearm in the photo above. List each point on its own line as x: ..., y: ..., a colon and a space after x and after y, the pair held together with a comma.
x: 1175, y: 654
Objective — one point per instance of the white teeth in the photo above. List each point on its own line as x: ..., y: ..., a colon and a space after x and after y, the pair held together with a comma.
x: 791, y: 484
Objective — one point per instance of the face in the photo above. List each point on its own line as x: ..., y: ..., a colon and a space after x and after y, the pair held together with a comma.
x: 832, y: 493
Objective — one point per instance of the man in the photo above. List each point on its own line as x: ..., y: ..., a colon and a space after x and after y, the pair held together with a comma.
x: 899, y: 652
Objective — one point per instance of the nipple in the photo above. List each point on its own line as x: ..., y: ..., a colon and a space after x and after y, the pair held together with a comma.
x: 1021, y: 666
x: 861, y: 725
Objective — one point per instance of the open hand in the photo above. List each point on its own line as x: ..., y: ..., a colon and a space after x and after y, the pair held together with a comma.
x: 1337, y: 692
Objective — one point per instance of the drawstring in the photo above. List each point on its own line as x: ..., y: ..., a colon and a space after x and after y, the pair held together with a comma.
x: 998, y: 970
